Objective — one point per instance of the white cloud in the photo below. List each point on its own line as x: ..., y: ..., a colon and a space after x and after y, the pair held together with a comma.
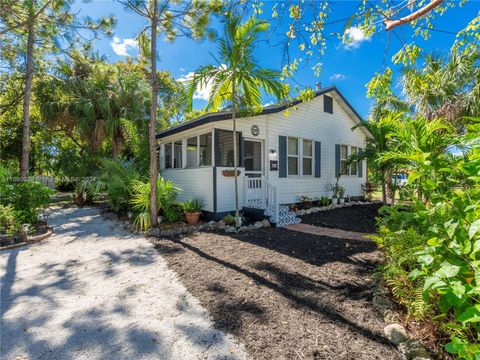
x: 269, y: 103
x: 355, y: 36
x: 337, y: 77
x: 121, y: 47
x: 202, y: 93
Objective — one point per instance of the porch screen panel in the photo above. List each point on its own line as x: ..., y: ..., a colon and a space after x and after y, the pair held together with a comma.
x: 168, y: 156
x: 177, y: 154
x: 206, y: 149
x: 192, y: 148
x: 225, y: 148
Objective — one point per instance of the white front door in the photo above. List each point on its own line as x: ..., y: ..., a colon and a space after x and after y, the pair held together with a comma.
x: 253, y: 158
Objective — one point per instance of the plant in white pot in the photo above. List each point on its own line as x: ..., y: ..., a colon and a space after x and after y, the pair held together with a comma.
x: 341, y: 192
x: 334, y: 190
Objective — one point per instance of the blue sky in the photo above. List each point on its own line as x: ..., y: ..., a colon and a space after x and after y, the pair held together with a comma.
x: 347, y: 68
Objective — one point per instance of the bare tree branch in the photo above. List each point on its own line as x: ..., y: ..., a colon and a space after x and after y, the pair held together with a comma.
x: 390, y: 24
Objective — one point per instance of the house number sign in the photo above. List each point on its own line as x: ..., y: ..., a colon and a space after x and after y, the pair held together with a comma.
x: 255, y: 130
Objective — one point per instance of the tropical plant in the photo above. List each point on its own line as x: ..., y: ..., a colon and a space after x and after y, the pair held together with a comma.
x: 432, y: 243
x: 324, y: 201
x: 9, y: 224
x: 237, y: 78
x: 140, y: 201
x: 192, y: 206
x: 229, y: 219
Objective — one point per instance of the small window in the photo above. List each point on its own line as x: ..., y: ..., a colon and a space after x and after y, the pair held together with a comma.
x: 206, y: 149
x: 177, y: 154
x: 192, y: 148
x: 328, y: 104
x: 225, y: 146
x: 168, y: 156
x: 292, y: 151
x: 307, y: 160
x: 344, y: 168
x: 353, y: 164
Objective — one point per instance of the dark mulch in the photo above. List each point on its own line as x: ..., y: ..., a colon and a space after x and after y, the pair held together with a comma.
x: 360, y: 218
x: 285, y: 294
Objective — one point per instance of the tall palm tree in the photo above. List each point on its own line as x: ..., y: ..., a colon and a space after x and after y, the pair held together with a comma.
x: 237, y: 77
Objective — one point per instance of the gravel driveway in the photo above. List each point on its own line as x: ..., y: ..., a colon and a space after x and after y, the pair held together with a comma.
x: 94, y: 291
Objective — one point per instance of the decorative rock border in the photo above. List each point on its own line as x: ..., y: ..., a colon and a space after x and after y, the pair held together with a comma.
x: 316, y: 209
x: 211, y: 225
x: 29, y: 240
x: 409, y: 348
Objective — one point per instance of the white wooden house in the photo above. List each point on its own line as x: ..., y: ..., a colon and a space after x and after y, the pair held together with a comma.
x: 281, y: 158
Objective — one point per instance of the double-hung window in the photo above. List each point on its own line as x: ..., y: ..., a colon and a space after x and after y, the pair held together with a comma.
x: 348, y: 167
x: 292, y: 154
x: 307, y: 158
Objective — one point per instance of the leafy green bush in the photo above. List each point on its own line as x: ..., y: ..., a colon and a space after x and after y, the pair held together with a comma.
x: 118, y: 179
x: 229, y: 219
x: 192, y: 206
x: 9, y: 224
x: 26, y: 198
x: 324, y: 201
x: 432, y: 245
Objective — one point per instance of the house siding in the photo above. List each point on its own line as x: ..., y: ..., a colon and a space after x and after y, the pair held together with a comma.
x: 194, y: 183
x: 309, y: 121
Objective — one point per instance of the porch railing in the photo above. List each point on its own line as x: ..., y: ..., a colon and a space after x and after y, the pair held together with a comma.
x: 260, y: 194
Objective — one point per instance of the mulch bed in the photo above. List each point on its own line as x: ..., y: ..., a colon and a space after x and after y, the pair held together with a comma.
x: 285, y: 294
x: 359, y: 218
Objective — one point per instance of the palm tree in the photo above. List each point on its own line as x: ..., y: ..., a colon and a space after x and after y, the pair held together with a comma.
x: 379, y: 143
x: 237, y: 77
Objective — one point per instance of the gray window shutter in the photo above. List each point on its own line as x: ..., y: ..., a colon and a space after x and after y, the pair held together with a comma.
x: 337, y: 160
x: 282, y: 156
x: 318, y: 159
x: 360, y: 164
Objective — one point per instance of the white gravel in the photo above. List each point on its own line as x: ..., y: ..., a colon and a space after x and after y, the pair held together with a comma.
x: 94, y: 291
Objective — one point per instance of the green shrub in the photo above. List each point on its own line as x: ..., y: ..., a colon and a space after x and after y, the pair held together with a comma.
x: 26, y: 198
x: 172, y: 213
x: 324, y: 201
x: 9, y: 224
x: 192, y: 206
x: 229, y: 219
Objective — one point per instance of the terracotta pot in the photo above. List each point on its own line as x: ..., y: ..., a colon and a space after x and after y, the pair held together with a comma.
x: 192, y: 218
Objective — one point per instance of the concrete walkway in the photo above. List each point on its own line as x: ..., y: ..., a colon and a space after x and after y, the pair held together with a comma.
x: 323, y: 231
x: 94, y: 291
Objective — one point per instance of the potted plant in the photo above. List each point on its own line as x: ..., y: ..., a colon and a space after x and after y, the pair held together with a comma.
x: 324, y: 201
x: 341, y: 192
x: 192, y: 210
x: 306, y: 201
x: 334, y: 190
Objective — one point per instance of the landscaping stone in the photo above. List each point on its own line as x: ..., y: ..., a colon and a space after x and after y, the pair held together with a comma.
x: 221, y: 225
x: 110, y: 216
x: 230, y: 229
x: 154, y: 232
x: 265, y: 223
x: 413, y: 350
x: 396, y: 333
x: 258, y: 225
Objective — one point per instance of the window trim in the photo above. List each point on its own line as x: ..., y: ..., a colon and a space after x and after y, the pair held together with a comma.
x: 311, y: 157
x: 349, y: 153
x: 297, y: 156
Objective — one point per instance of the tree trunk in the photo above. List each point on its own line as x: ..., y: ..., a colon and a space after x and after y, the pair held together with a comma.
x: 24, y: 163
x: 153, y: 120
x: 384, y: 189
x: 238, y: 220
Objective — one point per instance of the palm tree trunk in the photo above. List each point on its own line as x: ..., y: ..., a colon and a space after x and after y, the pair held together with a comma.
x: 153, y: 120
x: 24, y: 163
x: 384, y: 188
x: 238, y: 221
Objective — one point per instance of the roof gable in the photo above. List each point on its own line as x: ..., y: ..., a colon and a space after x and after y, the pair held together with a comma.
x: 226, y: 115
